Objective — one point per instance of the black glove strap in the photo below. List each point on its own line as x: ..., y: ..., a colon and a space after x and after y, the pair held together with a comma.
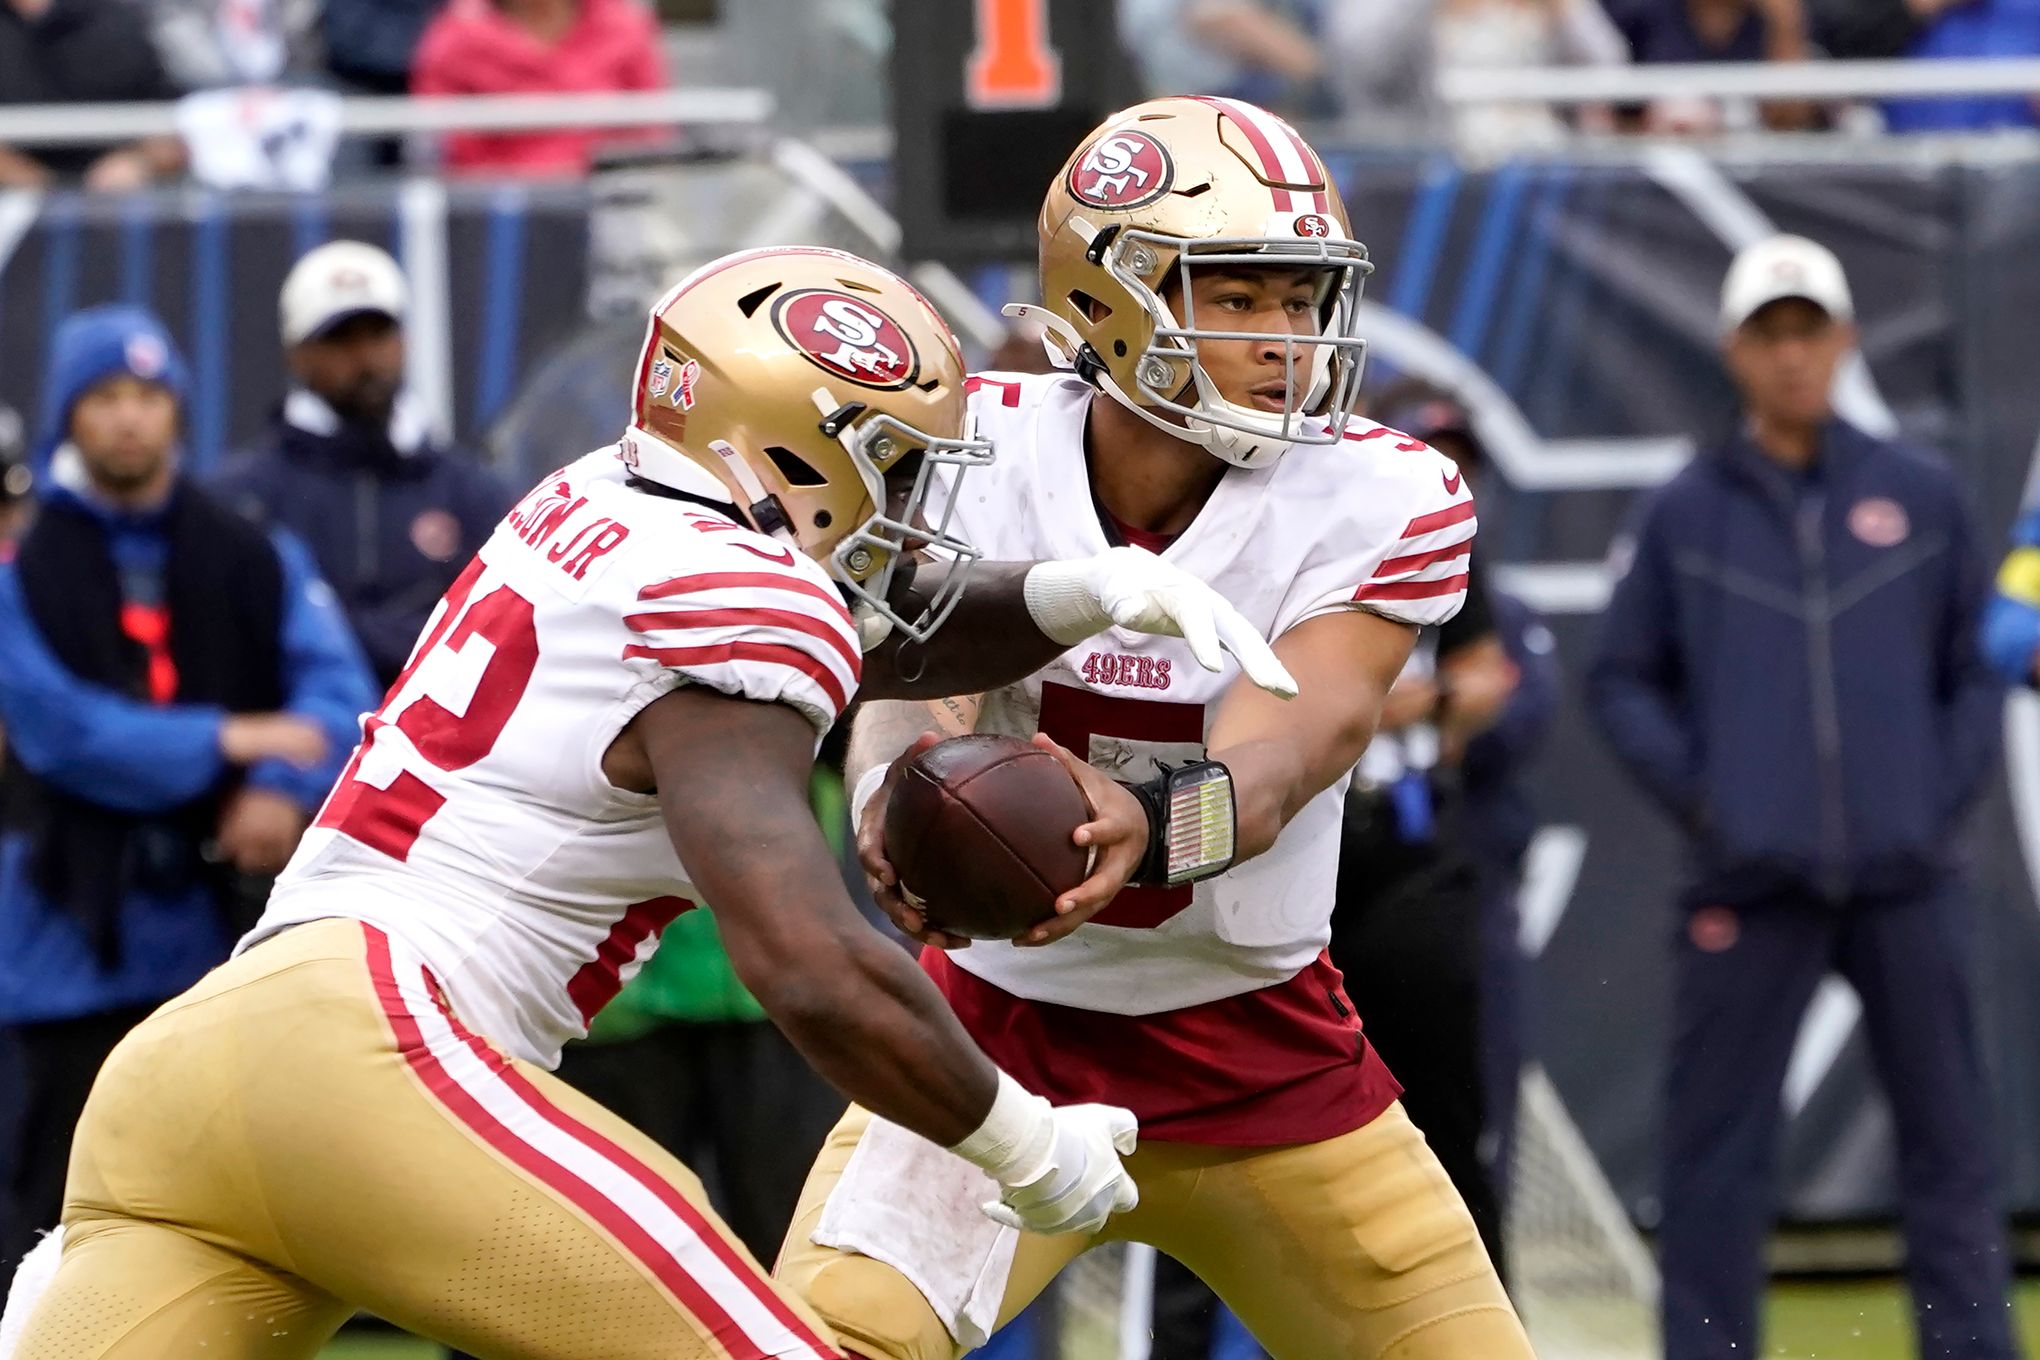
x: 1192, y: 824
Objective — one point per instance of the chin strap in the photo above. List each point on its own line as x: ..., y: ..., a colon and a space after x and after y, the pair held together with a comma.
x: 761, y: 508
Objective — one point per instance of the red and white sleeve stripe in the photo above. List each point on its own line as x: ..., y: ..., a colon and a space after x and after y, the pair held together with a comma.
x: 1422, y: 580
x: 771, y: 636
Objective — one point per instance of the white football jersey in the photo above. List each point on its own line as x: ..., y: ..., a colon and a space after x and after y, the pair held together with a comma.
x: 1377, y: 521
x: 474, y: 821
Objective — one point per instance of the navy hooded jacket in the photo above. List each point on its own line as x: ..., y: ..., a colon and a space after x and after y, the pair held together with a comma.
x: 391, y: 518
x: 1789, y: 665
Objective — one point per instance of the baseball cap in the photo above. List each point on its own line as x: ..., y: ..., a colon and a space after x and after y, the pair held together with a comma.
x: 339, y: 280
x: 1784, y: 267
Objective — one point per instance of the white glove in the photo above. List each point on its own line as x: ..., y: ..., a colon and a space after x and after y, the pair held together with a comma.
x: 1057, y: 1165
x: 1134, y: 589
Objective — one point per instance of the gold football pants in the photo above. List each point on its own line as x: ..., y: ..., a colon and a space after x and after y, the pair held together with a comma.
x: 311, y: 1129
x: 1356, y: 1248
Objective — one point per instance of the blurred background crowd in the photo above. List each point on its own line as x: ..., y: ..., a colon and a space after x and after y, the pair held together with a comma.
x: 1375, y: 65
x: 252, y: 436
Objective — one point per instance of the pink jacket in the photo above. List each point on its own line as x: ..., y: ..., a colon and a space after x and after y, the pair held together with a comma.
x: 472, y: 48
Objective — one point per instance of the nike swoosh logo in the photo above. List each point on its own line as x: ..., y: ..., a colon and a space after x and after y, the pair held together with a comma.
x: 1451, y: 483
x: 783, y: 556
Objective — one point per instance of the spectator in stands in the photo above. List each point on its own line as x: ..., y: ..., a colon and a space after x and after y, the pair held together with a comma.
x: 206, y: 44
x: 1487, y: 34
x: 1383, y: 59
x: 390, y: 513
x: 538, y: 47
x: 1789, y: 665
x: 178, y: 693
x: 1268, y: 52
x: 1715, y: 30
x: 1874, y: 30
x: 80, y: 52
x: 371, y: 44
x: 1956, y: 29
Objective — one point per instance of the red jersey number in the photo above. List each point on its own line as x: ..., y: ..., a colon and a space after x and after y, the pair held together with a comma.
x: 1073, y: 716
x: 390, y: 818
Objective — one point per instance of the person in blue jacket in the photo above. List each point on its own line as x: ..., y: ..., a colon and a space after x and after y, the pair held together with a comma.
x: 390, y: 513
x: 1789, y: 666
x: 178, y: 690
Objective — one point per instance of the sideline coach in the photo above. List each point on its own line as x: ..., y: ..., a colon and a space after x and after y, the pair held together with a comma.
x: 1790, y: 667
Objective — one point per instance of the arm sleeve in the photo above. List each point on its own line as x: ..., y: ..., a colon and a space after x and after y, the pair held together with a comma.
x: 773, y: 636
x: 1635, y: 684
x: 325, y: 676
x: 94, y: 742
x: 1972, y: 695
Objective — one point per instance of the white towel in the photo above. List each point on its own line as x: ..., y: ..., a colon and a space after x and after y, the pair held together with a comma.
x: 31, y: 1280
x: 917, y: 1207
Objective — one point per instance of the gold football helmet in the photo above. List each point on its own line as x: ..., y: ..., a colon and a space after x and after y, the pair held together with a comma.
x: 819, y: 393
x: 1178, y: 183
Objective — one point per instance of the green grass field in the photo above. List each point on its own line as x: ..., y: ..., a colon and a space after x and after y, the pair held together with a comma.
x: 1854, y: 1321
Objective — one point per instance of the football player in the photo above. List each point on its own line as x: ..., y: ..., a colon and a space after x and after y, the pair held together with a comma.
x: 610, y: 717
x: 1200, y: 284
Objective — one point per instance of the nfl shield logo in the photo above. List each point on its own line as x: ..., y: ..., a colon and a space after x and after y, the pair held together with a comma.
x: 662, y: 377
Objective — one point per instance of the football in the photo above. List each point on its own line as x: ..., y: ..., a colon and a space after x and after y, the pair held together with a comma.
x: 979, y: 831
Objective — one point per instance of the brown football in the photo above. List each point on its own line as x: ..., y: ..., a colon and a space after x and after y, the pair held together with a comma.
x: 979, y: 831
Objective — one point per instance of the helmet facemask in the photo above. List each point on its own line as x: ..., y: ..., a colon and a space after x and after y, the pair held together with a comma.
x: 1329, y: 363
x: 885, y: 450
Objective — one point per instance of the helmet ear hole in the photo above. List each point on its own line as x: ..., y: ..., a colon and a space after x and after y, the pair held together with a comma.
x: 823, y: 519
x: 796, y: 469
x: 1091, y: 309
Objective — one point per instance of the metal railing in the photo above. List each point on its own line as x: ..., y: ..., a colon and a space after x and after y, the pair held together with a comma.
x: 395, y: 115
x: 1742, y: 80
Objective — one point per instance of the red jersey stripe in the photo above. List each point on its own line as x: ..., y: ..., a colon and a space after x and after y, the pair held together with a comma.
x: 746, y: 580
x: 1412, y: 590
x: 765, y: 653
x: 709, y: 1234
x: 601, y: 978
x: 1264, y: 150
x: 1403, y: 566
x: 684, y: 620
x: 464, y: 1107
x: 1439, y: 519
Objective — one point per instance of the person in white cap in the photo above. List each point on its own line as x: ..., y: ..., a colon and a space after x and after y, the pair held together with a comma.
x: 354, y: 468
x: 1789, y: 665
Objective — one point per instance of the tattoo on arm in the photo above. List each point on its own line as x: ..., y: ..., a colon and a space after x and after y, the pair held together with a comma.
x: 883, y: 729
x: 956, y: 715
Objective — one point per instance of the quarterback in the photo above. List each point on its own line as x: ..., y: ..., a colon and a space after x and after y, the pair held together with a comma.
x: 1200, y: 284
x: 611, y: 717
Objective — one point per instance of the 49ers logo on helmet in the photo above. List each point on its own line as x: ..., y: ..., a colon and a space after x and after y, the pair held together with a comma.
x: 1122, y: 170
x: 847, y: 336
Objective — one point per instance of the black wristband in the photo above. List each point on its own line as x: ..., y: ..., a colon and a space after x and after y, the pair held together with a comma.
x: 1191, y: 824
